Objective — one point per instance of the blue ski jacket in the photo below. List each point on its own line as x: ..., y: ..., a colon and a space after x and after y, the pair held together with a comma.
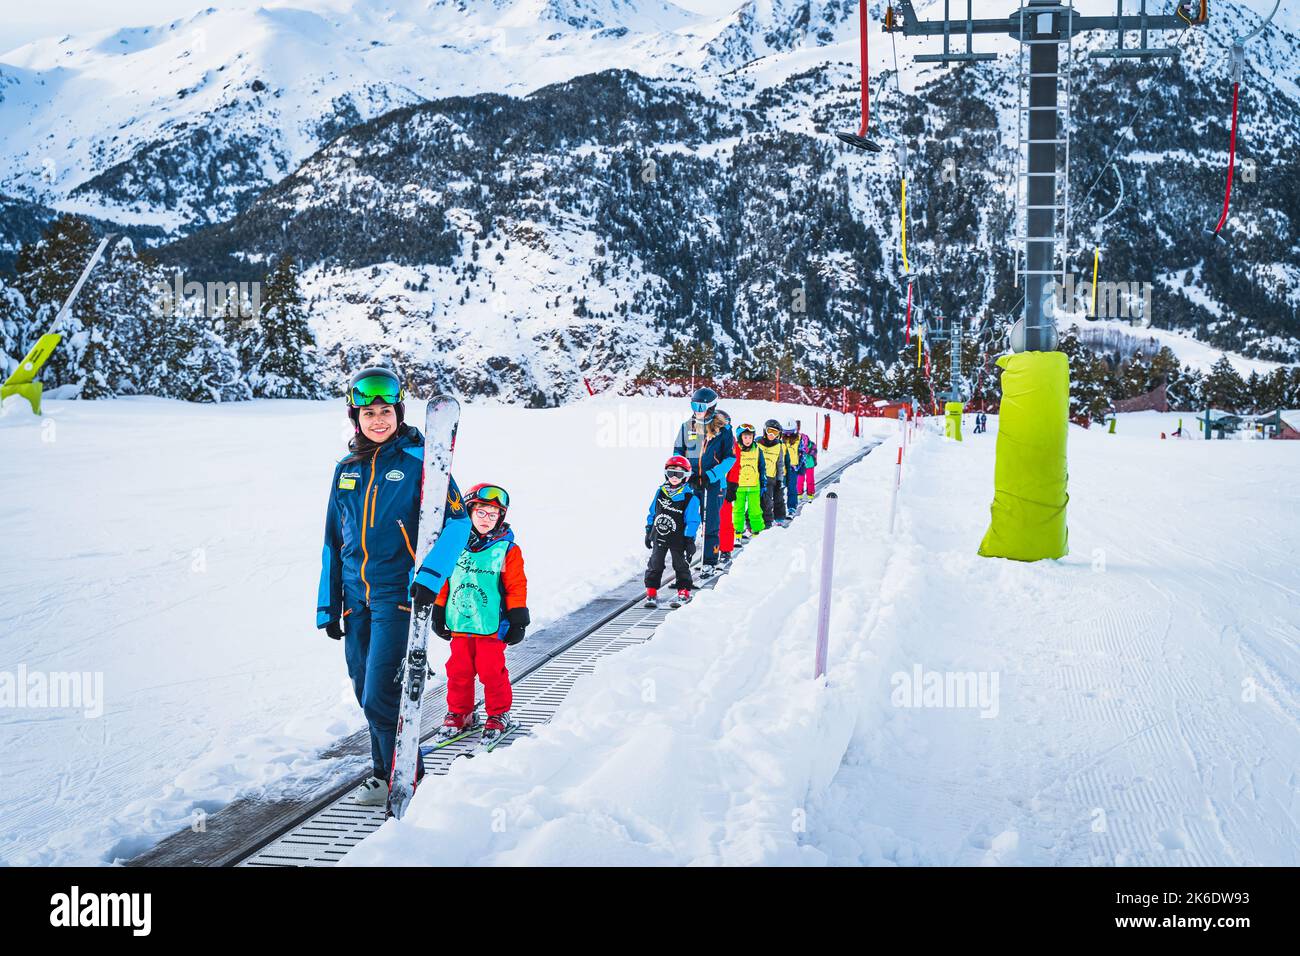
x: 717, y: 457
x: 372, y: 527
x: 674, y: 513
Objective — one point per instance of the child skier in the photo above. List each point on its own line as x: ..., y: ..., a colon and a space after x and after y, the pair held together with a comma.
x: 726, y: 525
x: 751, y: 483
x: 805, y: 483
x: 482, y: 610
x: 790, y: 439
x: 670, y: 528
x: 776, y: 463
x: 365, y: 590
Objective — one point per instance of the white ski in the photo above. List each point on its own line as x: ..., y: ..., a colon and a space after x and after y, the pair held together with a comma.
x: 440, y: 422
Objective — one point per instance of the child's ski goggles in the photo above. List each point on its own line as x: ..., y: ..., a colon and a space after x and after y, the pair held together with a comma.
x: 379, y: 388
x: 701, y: 406
x: 491, y: 493
x: 675, y: 472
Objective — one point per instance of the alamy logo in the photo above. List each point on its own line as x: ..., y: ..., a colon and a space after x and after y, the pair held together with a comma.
x: 79, y: 690
x: 213, y: 300
x: 103, y: 909
x: 1110, y: 300
x: 955, y: 689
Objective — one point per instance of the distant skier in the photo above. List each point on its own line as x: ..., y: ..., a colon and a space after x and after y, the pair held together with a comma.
x: 371, y: 524
x: 790, y: 438
x: 705, y: 440
x: 805, y: 482
x: 776, y: 465
x: 670, y: 527
x: 482, y: 610
x: 751, y: 483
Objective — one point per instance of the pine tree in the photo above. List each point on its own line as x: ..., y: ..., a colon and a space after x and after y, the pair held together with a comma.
x: 45, y: 272
x: 1185, y: 390
x: 1090, y: 380
x: 108, y: 310
x: 15, y: 319
x: 278, y: 352
x: 1224, y: 388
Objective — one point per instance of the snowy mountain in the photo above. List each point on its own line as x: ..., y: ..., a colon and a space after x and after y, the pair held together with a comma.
x: 595, y: 216
x: 184, y: 123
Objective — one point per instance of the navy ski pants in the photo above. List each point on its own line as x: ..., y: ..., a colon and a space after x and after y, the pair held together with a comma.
x: 374, y: 644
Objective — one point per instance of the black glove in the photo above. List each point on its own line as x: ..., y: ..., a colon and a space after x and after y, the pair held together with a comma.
x: 334, y: 629
x: 440, y: 622
x: 688, y: 547
x: 420, y: 596
x: 697, y: 482
x: 648, y: 542
x: 732, y: 488
x: 519, y: 620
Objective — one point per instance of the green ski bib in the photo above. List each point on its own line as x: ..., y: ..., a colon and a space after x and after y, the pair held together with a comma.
x: 474, y: 593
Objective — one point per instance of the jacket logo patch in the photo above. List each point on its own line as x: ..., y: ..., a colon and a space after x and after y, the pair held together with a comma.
x: 395, y: 475
x: 348, y: 481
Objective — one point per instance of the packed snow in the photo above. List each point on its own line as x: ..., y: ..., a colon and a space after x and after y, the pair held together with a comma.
x: 171, y: 552
x: 1133, y: 703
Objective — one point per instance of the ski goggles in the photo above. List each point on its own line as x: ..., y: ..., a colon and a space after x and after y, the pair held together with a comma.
x: 701, y: 406
x: 747, y: 428
x: 676, y: 473
x: 376, y: 388
x: 491, y: 494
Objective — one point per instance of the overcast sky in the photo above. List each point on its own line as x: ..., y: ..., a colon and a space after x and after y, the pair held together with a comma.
x: 22, y: 20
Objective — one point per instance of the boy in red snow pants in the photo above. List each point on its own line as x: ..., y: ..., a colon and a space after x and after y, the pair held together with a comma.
x: 481, y: 610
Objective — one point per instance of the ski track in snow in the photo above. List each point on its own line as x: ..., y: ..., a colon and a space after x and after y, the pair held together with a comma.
x: 1123, y: 737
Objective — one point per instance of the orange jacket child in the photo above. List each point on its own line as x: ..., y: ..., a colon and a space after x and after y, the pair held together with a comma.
x: 482, y: 609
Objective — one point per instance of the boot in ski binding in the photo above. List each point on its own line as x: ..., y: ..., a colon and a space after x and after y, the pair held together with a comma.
x: 495, y: 729
x: 683, y: 597
x: 651, y: 598
x: 454, y: 727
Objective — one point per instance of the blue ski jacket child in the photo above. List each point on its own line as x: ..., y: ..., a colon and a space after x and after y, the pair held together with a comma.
x: 372, y: 528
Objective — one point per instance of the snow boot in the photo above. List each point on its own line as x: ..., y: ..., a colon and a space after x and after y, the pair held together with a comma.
x: 651, y: 598
x: 683, y: 597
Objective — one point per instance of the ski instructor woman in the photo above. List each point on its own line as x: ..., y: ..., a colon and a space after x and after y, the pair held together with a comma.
x: 366, y: 580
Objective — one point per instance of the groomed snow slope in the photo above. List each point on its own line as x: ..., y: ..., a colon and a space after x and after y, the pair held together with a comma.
x: 1145, y: 710
x: 174, y: 549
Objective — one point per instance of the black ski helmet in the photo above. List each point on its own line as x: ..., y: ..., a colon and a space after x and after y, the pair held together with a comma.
x: 772, y: 424
x: 362, y: 391
x: 705, y: 399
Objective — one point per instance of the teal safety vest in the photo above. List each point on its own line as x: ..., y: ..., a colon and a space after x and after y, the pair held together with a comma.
x: 474, y: 595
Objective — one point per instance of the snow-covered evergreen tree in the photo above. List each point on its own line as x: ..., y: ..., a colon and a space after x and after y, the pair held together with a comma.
x: 110, y: 309
x: 278, y: 351
x: 1090, y: 381
x: 15, y: 320
x: 45, y: 272
x: 1224, y: 387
